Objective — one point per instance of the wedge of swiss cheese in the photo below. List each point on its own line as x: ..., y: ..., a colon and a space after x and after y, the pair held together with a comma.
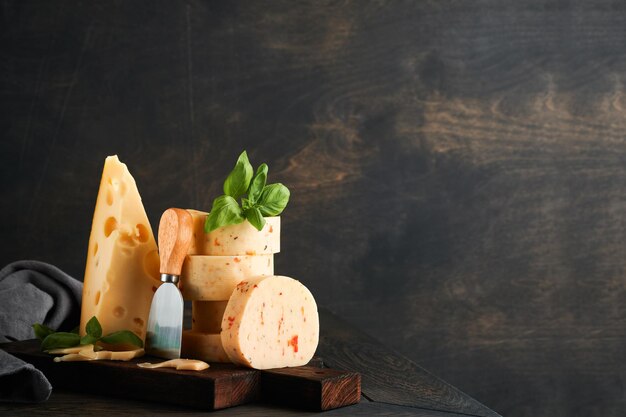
x: 213, y: 278
x: 270, y: 322
x: 203, y: 346
x: 206, y: 316
x: 235, y: 239
x: 122, y: 271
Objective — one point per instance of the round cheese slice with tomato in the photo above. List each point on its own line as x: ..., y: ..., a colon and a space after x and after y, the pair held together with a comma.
x: 270, y: 322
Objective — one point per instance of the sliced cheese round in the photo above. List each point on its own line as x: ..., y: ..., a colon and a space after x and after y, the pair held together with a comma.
x: 206, y: 316
x: 235, y: 239
x: 270, y: 322
x: 213, y: 278
x: 204, y: 346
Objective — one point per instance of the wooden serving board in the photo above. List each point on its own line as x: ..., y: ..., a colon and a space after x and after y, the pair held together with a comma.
x: 310, y: 387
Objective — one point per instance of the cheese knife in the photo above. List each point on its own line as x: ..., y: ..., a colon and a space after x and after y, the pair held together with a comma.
x: 165, y: 323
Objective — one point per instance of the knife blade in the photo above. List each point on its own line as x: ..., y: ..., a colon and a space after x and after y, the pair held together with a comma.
x: 165, y: 323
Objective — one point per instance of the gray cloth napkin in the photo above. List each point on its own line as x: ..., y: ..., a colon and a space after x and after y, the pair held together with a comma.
x: 32, y: 292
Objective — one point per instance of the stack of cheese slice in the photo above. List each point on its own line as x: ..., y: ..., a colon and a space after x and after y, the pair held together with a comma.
x: 216, y: 263
x: 242, y: 313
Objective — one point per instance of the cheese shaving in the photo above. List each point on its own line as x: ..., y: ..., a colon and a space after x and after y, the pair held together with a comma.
x: 179, y: 364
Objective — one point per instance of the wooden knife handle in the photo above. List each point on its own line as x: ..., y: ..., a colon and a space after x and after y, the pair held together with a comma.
x: 175, y: 234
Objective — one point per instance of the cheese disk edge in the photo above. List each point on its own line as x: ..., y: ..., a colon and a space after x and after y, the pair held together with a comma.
x: 213, y: 278
x: 202, y: 346
x: 234, y: 239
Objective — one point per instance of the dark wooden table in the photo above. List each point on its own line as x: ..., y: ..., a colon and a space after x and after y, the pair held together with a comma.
x: 391, y: 385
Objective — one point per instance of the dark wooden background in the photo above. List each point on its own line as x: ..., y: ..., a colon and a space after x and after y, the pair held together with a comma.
x: 458, y: 169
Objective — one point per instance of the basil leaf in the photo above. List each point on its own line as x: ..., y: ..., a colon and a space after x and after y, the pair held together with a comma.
x: 41, y: 331
x: 273, y: 200
x: 256, y: 219
x: 245, y: 204
x: 121, y: 337
x: 88, y: 340
x: 238, y: 181
x: 93, y: 328
x: 225, y: 211
x: 60, y: 340
x: 258, y: 182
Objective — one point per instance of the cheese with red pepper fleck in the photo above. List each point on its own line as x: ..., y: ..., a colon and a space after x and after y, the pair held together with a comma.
x: 206, y: 316
x: 234, y: 239
x: 270, y: 322
x: 213, y: 278
x: 203, y: 346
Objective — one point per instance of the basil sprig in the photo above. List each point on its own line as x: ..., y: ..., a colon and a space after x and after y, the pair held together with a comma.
x: 236, y: 184
x: 225, y: 211
x: 42, y: 331
x: 258, y: 199
x: 57, y: 340
x: 60, y: 340
x: 123, y: 336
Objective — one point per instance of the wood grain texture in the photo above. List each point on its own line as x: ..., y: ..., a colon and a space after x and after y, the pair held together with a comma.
x: 311, y: 388
x: 457, y: 168
x: 220, y: 386
x: 175, y: 235
x: 68, y: 404
x: 388, y: 377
